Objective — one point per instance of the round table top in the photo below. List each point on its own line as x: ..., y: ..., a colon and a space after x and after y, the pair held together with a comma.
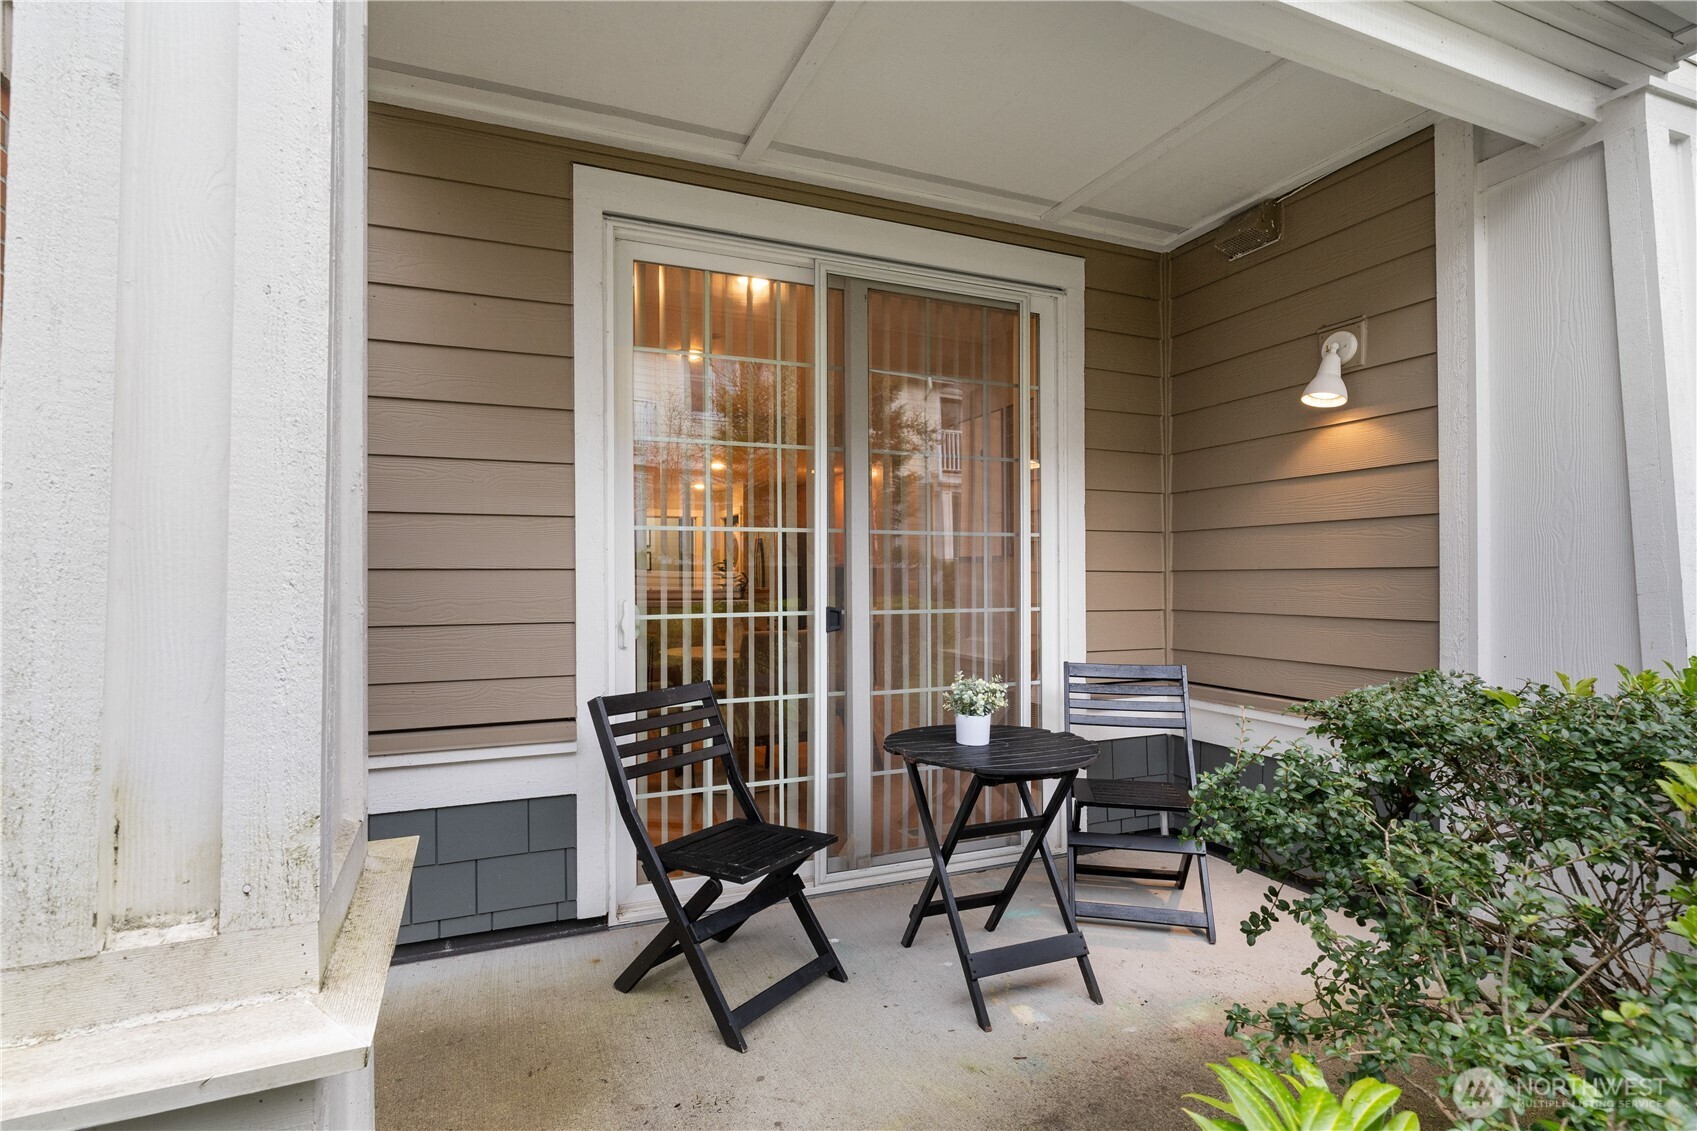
x: 1014, y: 753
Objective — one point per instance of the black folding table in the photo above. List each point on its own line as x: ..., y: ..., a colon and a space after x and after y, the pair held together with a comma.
x: 1015, y: 756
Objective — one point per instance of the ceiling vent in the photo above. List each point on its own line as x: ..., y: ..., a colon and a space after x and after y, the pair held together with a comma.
x: 1250, y: 231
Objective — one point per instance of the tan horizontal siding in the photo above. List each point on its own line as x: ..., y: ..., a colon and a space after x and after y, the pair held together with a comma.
x: 1121, y: 392
x: 402, y: 597
x: 422, y: 204
x: 468, y: 541
x: 1304, y: 544
x: 443, y: 318
x: 469, y: 486
x: 1378, y: 289
x: 1374, y: 492
x: 1347, y: 641
x: 440, y: 653
x: 1389, y: 594
x: 1409, y: 437
x: 468, y: 266
x: 471, y: 737
x: 469, y: 431
x: 464, y: 702
x: 1367, y: 543
x: 1301, y: 681
x: 471, y: 434
x: 408, y: 371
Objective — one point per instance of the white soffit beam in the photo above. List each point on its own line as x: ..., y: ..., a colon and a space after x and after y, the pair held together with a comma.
x: 795, y: 84
x: 1409, y: 53
x: 1614, y: 28
x: 1546, y: 40
x: 1178, y: 135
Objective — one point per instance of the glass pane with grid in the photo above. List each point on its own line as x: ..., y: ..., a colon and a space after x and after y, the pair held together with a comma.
x: 724, y: 451
x: 943, y: 387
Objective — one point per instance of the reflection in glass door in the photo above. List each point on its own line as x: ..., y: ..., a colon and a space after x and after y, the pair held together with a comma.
x: 939, y: 546
x: 722, y: 430
x: 927, y: 522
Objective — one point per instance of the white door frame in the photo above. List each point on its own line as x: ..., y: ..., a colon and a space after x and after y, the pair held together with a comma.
x: 610, y: 206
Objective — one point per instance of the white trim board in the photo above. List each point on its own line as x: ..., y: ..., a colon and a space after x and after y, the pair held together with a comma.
x: 606, y: 204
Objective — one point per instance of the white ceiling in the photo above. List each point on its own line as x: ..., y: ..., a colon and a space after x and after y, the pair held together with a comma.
x: 1096, y: 118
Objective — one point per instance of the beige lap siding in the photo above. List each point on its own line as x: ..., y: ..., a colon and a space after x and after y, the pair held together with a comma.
x: 471, y: 535
x: 1305, y: 541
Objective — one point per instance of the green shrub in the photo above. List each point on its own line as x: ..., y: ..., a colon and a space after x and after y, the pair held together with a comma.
x: 1494, y: 880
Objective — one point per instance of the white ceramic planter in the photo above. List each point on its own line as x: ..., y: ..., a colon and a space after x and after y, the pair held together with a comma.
x: 972, y: 730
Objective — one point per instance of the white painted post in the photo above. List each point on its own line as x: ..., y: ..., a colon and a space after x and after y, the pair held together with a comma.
x: 56, y: 378
x: 1649, y: 171
x: 183, y: 567
x: 1459, y: 375
x: 170, y: 470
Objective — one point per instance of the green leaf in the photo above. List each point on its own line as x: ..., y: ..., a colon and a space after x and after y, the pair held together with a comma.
x: 1257, y: 1114
x: 1310, y: 1075
x: 1267, y: 1082
x: 1403, y: 1121
x: 1366, y: 1101
x: 1316, y: 1110
x: 1208, y: 1123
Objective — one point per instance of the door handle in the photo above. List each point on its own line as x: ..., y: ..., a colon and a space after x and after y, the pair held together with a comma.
x: 833, y: 619
x: 627, y: 616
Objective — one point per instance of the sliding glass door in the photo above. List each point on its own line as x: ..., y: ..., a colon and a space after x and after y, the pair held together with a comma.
x: 939, y: 491
x: 825, y: 615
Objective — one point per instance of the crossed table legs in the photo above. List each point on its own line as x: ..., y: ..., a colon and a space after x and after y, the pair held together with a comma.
x: 1004, y: 958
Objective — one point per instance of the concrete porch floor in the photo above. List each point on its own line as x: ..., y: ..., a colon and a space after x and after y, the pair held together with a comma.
x: 536, y: 1036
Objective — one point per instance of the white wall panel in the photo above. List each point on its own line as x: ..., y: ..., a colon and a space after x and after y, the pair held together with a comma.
x: 1556, y: 585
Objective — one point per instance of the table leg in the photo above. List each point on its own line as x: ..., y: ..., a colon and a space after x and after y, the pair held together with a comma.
x: 1061, y: 894
x: 939, y: 881
x: 1063, y: 789
x: 962, y: 816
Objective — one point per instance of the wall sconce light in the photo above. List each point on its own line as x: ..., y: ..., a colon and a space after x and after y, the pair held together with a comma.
x: 1327, y: 389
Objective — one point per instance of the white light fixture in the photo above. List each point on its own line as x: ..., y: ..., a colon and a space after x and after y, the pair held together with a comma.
x: 1327, y: 389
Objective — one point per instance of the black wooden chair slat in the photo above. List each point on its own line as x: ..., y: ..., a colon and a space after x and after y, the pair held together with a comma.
x: 738, y: 850
x: 671, y: 740
x: 1151, y: 698
x: 667, y: 719
x: 1096, y: 718
x: 1109, y: 793
x: 677, y: 761
x: 1125, y: 703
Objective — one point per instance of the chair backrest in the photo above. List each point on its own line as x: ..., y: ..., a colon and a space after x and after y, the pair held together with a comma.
x: 1133, y: 697
x: 654, y: 732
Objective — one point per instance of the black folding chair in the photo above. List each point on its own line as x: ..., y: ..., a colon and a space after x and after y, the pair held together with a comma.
x: 652, y: 732
x: 1134, y: 697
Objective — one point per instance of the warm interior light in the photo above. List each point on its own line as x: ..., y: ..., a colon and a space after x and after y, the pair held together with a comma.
x: 695, y: 355
x: 699, y: 486
x: 1035, y: 465
x: 1327, y: 389
x: 759, y: 285
x: 717, y: 465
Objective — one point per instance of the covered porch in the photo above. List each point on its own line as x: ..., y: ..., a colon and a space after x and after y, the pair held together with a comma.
x: 532, y: 1036
x: 425, y: 523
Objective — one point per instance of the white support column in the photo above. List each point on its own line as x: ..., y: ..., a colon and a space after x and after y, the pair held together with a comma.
x: 1567, y: 400
x: 170, y: 498
x: 192, y: 915
x: 1459, y: 377
x: 1648, y: 165
x: 275, y: 735
x: 56, y: 378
